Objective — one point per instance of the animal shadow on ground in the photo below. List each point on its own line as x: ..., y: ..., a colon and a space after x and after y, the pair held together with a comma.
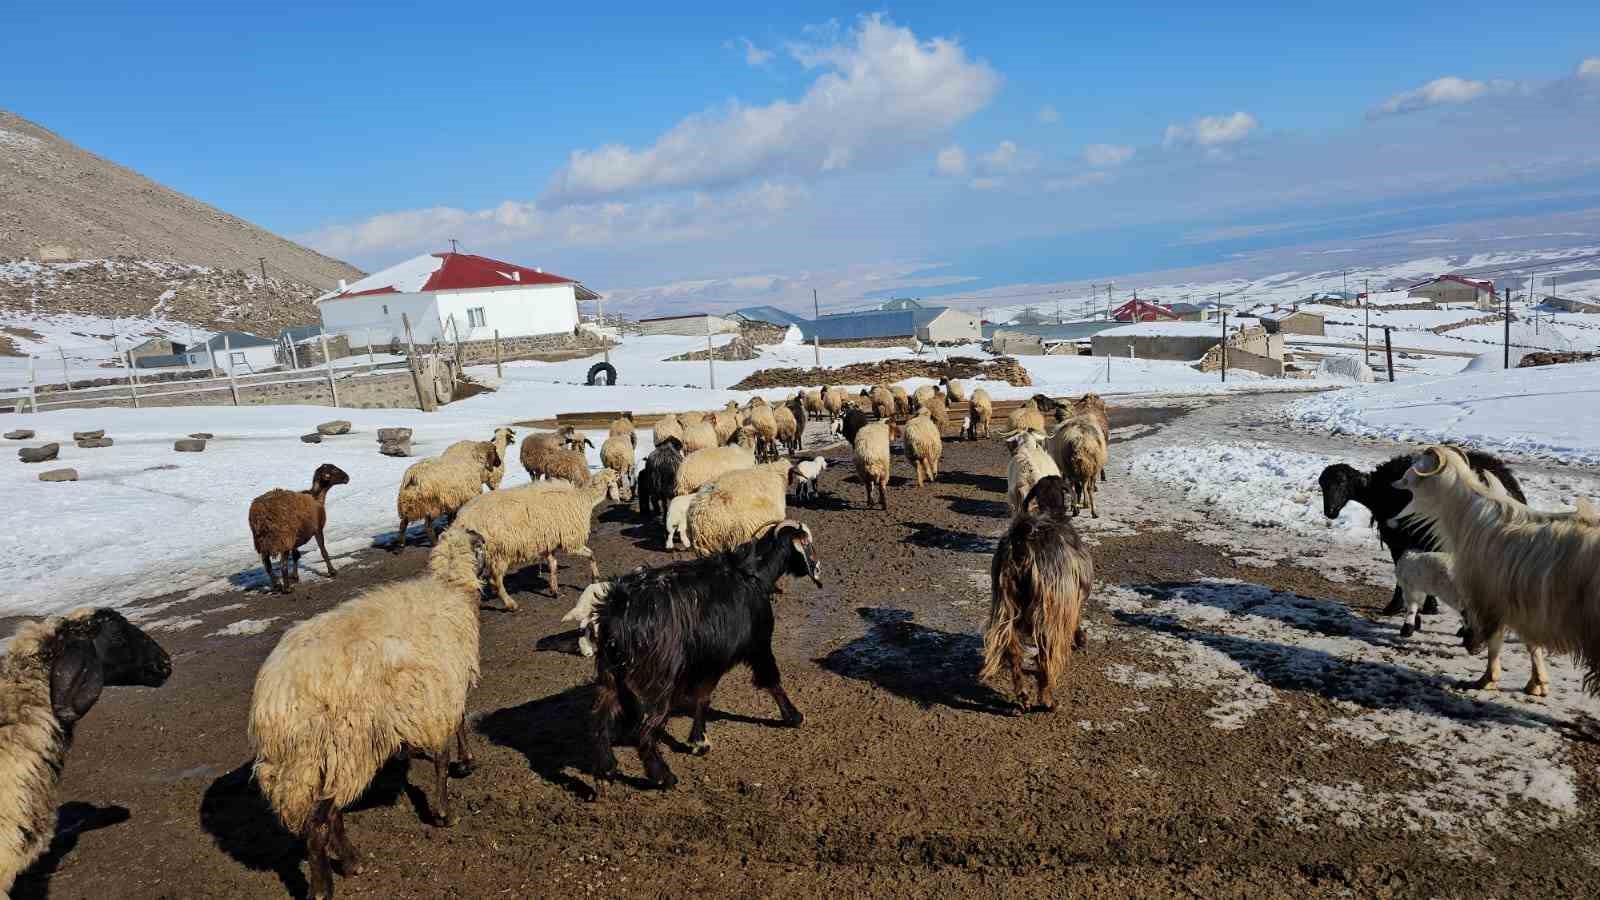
x: 255, y: 578
x: 973, y: 506
x: 73, y: 818
x: 927, y: 534
x: 994, y: 483
x: 1330, y: 618
x: 1368, y: 684
x: 560, y: 642
x: 552, y: 733
x: 236, y: 815
x: 921, y: 664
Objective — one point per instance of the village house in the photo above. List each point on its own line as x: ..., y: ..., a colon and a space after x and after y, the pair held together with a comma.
x: 453, y: 297
x: 1455, y: 289
x: 1137, y: 310
x: 1571, y: 304
x: 1293, y: 321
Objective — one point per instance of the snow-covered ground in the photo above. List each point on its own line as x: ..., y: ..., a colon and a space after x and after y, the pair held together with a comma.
x: 1546, y: 411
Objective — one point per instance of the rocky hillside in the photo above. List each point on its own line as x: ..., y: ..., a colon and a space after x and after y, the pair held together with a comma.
x: 135, y: 247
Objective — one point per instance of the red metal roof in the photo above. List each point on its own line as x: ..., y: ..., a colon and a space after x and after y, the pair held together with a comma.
x: 1137, y: 310
x: 462, y: 271
x: 1485, y: 285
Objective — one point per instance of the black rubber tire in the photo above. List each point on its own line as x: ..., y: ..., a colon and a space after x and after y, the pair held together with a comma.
x: 604, y: 371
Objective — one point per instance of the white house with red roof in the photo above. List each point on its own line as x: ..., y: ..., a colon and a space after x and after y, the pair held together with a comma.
x: 450, y: 297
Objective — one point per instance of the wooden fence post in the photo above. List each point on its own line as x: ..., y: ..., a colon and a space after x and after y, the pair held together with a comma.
x: 227, y: 354
x: 66, y: 377
x: 411, y: 363
x: 33, y: 387
x: 498, y: 373
x: 1388, y: 352
x: 327, y: 362
x: 372, y: 363
x: 133, y: 383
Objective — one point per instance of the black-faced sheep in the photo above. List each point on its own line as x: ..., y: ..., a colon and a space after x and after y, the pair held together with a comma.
x: 281, y: 522
x: 1040, y: 578
x: 344, y: 691
x: 851, y: 424
x: 524, y: 525
x: 658, y: 481
x: 674, y: 631
x: 1535, y: 573
x: 1376, y: 491
x: 50, y: 677
x: 872, y: 460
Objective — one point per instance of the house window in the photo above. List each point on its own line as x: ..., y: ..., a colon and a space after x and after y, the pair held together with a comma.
x: 476, y: 317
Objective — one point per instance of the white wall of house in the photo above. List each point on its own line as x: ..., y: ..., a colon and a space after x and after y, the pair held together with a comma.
x: 515, y: 311
x: 951, y: 325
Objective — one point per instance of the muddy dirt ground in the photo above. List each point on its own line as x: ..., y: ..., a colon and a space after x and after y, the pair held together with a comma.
x: 905, y: 780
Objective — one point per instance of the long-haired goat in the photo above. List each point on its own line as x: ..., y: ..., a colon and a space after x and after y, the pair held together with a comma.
x: 658, y: 480
x: 672, y: 632
x: 1040, y: 578
x: 1535, y: 573
x: 1376, y: 490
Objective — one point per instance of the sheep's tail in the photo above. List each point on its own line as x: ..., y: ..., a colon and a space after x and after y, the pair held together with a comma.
x: 287, y: 771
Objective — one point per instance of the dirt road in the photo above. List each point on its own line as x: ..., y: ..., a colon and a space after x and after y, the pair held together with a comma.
x: 1239, y: 726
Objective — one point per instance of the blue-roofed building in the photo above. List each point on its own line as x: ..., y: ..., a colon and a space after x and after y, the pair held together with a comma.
x: 900, y: 303
x: 770, y: 315
x: 937, y: 324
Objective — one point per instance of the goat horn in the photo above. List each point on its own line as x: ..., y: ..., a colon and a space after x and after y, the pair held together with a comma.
x: 1437, y: 455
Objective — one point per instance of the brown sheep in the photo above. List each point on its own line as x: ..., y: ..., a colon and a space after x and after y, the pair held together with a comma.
x: 939, y: 413
x: 882, y: 400
x: 624, y: 426
x: 761, y: 420
x: 953, y: 391
x: 537, y: 450
x: 571, y: 465
x: 979, y: 410
x: 726, y: 422
x: 1092, y: 407
x: 923, y: 446
x: 667, y: 426
x: 788, y: 428
x: 282, y: 521
x: 902, y: 400
x: 1079, y: 449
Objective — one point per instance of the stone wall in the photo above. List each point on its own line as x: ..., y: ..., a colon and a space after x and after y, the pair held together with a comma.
x: 1241, y: 359
x: 1178, y: 348
x: 475, y: 353
x: 308, y: 353
x: 388, y: 389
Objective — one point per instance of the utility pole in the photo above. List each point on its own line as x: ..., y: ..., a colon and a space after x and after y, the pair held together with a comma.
x: 263, y: 261
x: 711, y: 369
x: 1366, y: 334
x: 816, y: 339
x: 1108, y: 300
x: 1224, y: 345
x: 1058, y: 310
x: 452, y: 245
x: 1344, y: 292
x: 1508, y: 329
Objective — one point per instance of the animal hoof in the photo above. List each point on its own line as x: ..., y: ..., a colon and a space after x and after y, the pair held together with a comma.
x: 664, y: 782
x: 1395, y: 607
x: 461, y: 769
x: 700, y: 748
x: 794, y: 719
x: 444, y: 821
x: 511, y: 605
x: 1537, y: 689
x: 1407, y: 630
x: 1430, y: 606
x: 1482, y: 684
x: 1463, y: 631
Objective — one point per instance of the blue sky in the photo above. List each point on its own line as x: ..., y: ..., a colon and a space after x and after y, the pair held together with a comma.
x: 725, y: 151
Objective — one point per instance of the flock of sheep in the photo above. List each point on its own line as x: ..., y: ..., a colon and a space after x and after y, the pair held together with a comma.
x: 388, y: 671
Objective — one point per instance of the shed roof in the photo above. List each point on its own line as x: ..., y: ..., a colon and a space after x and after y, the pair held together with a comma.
x: 238, y: 340
x: 1458, y: 279
x: 772, y: 315
x: 870, y: 323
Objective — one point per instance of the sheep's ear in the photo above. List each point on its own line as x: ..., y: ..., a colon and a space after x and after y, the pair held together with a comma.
x: 76, y: 680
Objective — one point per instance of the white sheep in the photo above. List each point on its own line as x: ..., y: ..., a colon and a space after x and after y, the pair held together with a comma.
x: 438, y: 487
x: 1079, y: 448
x: 1421, y: 575
x: 617, y: 454
x: 979, y: 410
x: 347, y: 689
x: 803, y: 477
x: 491, y: 454
x: 667, y: 426
x: 522, y: 527
x: 585, y: 613
x: 1030, y: 462
x: 761, y: 420
x: 730, y: 510
x: 701, y: 435
x: 623, y: 426
x: 924, y: 445
x: 872, y: 459
x: 50, y: 677
x: 678, y: 520
x: 703, y: 466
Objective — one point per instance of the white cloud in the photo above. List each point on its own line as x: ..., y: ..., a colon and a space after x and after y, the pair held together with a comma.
x: 881, y: 92
x: 1106, y: 155
x: 1589, y: 68
x: 690, y: 217
x: 1048, y: 115
x: 754, y: 55
x: 1211, y: 131
x: 952, y: 160
x: 1001, y: 159
x: 1438, y: 92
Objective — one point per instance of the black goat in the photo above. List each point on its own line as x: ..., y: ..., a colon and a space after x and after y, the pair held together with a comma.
x: 658, y: 480
x: 1376, y: 491
x: 851, y: 423
x: 672, y: 632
